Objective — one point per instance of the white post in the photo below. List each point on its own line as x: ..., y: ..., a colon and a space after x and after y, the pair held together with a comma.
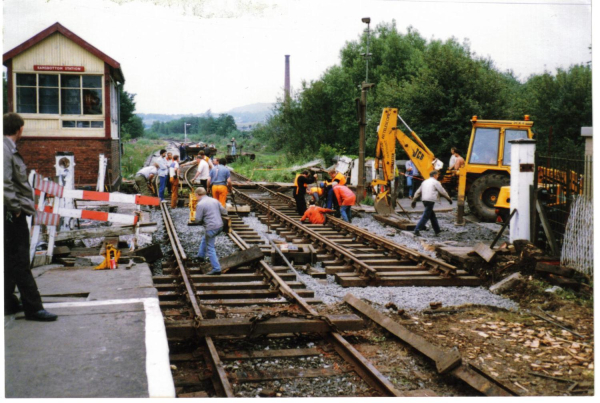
x: 101, y: 174
x: 522, y: 176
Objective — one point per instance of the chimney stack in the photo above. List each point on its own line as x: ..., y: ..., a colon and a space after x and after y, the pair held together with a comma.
x: 287, y: 77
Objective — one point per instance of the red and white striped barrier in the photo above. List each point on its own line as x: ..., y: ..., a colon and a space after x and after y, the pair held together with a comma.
x: 54, y: 189
x: 46, y: 218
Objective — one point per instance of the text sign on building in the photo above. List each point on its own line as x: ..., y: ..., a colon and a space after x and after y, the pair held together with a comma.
x: 38, y: 67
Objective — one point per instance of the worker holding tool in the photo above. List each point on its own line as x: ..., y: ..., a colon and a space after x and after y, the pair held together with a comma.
x: 300, y: 184
x: 315, y: 214
x: 18, y: 204
x: 411, y: 173
x: 346, y: 199
x: 209, y: 212
x: 429, y: 192
x: 144, y: 177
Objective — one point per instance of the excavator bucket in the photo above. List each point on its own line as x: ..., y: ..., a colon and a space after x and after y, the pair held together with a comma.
x: 383, y: 204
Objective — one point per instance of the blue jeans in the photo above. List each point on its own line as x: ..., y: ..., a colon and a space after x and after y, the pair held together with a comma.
x: 161, y: 187
x: 207, y: 247
x: 346, y: 213
x: 428, y: 214
x: 330, y: 196
x: 409, y: 184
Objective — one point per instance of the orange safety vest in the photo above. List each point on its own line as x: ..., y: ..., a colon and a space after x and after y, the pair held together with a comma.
x: 296, y: 183
x: 318, y: 190
x: 340, y: 178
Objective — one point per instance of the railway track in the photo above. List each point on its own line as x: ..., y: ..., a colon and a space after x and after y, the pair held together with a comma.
x: 260, y: 301
x: 256, y: 329
x: 356, y: 257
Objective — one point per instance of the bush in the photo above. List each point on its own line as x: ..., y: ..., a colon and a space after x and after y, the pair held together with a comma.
x: 327, y: 152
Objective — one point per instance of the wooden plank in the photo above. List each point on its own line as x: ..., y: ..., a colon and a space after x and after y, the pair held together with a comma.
x: 249, y: 355
x: 444, y: 360
x: 484, y: 251
x: 178, y: 330
x: 102, y: 232
x: 542, y: 267
x: 245, y: 257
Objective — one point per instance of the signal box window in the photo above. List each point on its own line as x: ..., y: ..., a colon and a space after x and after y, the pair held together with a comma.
x: 65, y: 94
x: 485, y: 146
x: 508, y: 136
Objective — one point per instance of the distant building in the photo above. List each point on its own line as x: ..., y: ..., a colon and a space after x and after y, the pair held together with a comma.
x: 66, y: 90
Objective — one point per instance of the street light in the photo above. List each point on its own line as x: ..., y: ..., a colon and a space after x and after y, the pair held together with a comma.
x: 185, y: 125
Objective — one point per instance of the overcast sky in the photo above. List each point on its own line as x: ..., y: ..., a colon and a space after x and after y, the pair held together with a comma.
x: 188, y: 56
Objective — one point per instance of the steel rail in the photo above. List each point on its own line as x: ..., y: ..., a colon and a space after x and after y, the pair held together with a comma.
x: 360, y: 364
x: 446, y: 268
x: 330, y: 245
x: 393, y: 247
x: 220, y: 380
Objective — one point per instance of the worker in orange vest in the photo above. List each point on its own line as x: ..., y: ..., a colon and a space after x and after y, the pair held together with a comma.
x: 336, y: 177
x: 301, y: 183
x: 346, y: 199
x: 315, y: 214
x: 316, y: 192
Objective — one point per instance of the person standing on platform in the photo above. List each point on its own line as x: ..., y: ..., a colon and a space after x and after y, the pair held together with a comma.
x: 346, y: 199
x: 174, y: 180
x: 300, y: 184
x: 220, y: 180
x: 209, y: 212
x: 163, y: 171
x: 18, y: 204
x: 315, y: 214
x: 143, y: 178
x: 429, y: 192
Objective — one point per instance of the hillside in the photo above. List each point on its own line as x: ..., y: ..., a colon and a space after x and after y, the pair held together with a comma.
x: 244, y: 115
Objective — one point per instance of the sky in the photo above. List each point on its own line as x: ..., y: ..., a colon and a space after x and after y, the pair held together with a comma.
x: 189, y: 56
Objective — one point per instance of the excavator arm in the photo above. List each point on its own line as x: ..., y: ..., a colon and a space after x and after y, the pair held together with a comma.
x: 385, y: 158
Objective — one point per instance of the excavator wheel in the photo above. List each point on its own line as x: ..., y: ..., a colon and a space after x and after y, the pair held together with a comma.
x: 483, y: 195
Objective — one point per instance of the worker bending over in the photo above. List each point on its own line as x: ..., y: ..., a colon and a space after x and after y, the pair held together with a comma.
x: 336, y: 177
x: 317, y: 192
x: 220, y: 180
x: 429, y: 192
x: 301, y: 183
x: 315, y: 214
x: 209, y: 212
x: 346, y: 199
x: 144, y: 177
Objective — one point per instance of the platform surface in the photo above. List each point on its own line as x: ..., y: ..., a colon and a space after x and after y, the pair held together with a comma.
x: 109, y: 339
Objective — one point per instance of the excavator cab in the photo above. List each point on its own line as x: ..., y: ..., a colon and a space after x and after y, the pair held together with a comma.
x: 487, y: 166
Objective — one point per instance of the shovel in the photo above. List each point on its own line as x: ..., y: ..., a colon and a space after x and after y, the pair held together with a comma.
x: 486, y: 252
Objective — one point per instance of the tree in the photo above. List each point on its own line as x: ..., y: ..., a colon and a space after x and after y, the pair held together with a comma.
x: 131, y: 125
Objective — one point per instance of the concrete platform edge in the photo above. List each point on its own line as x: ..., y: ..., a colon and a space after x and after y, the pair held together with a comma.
x: 158, y: 370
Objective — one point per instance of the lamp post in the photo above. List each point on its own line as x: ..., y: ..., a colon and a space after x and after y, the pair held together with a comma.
x: 362, y: 120
x: 185, y: 125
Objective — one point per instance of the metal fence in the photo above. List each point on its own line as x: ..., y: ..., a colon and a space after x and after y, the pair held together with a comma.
x: 560, y: 182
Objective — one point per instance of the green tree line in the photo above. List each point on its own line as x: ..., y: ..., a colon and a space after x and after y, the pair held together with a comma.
x: 437, y: 87
x: 223, y: 125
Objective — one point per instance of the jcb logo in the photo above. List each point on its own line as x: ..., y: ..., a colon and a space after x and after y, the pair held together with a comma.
x: 418, y: 154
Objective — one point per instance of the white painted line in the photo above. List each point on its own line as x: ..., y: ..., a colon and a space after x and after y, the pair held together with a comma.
x: 158, y: 366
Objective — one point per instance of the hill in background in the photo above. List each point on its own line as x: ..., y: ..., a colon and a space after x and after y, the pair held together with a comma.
x: 245, y: 116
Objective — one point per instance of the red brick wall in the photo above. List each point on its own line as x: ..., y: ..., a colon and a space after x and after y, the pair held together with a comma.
x: 39, y: 154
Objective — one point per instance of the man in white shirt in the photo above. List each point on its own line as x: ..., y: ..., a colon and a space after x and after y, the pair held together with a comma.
x: 202, y: 173
x: 429, y: 192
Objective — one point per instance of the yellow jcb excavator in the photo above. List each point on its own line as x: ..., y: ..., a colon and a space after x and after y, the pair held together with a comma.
x: 486, y: 170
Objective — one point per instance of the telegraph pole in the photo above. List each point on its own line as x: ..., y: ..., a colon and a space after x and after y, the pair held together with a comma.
x: 362, y: 120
